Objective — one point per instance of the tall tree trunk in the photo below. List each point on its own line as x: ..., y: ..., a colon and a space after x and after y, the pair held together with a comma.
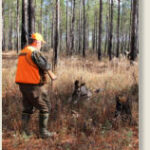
x: 110, y: 31
x: 18, y: 21
x: 118, y: 29
x: 137, y: 27
x: 60, y: 36
x: 80, y: 27
x: 84, y: 30
x: 10, y: 29
x: 52, y: 27
x: 41, y: 18
x: 94, y: 32
x: 122, y: 43
x: 24, y: 36
x: 96, y: 35
x: 3, y: 27
x: 87, y: 35
x: 31, y: 17
x: 93, y: 38
x: 76, y: 36
x: 46, y: 32
x: 106, y: 36
x: 14, y: 29
x: 100, y: 29
x: 35, y: 15
x: 72, y: 28
x: 67, y: 48
x: 113, y: 46
x: 56, y: 45
x: 133, y: 32
x: 87, y: 27
x: 129, y: 43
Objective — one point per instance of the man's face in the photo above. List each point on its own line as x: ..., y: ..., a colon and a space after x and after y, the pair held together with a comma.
x: 38, y: 44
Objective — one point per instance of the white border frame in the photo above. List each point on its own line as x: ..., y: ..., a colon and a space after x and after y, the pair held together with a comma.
x: 144, y: 73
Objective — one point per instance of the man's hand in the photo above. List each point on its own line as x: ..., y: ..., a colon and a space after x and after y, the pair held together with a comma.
x: 52, y: 75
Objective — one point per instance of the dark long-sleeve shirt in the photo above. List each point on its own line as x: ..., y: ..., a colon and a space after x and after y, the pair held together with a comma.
x: 40, y: 61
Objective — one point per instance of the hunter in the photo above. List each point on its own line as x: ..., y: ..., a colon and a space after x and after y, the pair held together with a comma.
x: 30, y: 76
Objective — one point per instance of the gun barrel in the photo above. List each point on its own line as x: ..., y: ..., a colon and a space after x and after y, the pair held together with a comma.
x: 52, y: 75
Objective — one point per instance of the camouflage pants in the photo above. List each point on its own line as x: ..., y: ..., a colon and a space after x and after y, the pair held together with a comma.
x: 35, y: 96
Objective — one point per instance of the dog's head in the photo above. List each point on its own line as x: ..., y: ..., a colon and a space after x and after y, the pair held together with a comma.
x: 81, y: 90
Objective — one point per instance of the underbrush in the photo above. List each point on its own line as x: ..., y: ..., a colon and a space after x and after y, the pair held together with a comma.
x: 88, y: 125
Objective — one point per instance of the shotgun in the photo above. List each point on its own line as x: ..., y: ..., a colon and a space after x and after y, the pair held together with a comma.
x: 51, y: 75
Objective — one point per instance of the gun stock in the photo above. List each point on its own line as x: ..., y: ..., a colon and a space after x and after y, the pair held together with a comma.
x: 52, y: 75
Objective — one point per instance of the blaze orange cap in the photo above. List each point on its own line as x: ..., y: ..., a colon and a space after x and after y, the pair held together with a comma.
x: 38, y: 37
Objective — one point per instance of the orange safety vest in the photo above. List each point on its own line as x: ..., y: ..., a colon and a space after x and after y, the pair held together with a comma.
x: 27, y: 70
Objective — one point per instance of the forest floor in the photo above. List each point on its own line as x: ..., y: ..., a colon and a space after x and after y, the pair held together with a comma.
x: 91, y: 125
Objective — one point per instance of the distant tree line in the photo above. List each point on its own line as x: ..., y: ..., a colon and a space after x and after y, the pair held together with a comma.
x: 104, y: 27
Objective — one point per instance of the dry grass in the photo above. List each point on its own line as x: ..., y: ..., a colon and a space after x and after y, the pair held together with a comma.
x: 88, y: 127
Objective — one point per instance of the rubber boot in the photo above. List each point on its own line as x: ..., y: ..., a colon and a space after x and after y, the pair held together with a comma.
x: 25, y: 121
x: 43, y: 120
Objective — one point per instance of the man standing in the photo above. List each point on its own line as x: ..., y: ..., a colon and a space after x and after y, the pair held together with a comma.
x: 30, y: 76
